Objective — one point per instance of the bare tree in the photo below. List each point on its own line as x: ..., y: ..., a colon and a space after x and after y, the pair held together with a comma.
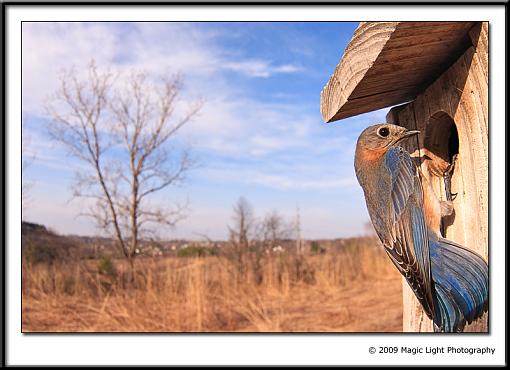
x: 299, y: 239
x: 242, y: 229
x: 273, y: 230
x: 124, y: 138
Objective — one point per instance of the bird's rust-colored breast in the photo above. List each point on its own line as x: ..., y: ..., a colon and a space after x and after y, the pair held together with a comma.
x: 370, y: 156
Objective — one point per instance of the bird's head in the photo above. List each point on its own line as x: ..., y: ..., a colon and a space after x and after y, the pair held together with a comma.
x: 382, y: 136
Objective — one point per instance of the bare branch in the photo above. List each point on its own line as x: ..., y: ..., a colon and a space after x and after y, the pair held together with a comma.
x: 123, y: 135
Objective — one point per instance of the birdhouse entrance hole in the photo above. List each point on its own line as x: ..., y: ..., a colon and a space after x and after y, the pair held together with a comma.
x: 441, y: 143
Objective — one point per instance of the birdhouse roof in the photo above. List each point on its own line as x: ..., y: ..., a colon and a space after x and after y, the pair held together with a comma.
x: 389, y: 63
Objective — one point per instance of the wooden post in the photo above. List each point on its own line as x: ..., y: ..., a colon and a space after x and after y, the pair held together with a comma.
x: 440, y: 71
x: 458, y: 97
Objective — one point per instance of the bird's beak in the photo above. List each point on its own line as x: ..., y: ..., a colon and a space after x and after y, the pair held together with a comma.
x: 408, y: 133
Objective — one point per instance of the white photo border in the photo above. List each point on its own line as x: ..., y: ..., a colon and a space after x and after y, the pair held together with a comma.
x: 250, y: 349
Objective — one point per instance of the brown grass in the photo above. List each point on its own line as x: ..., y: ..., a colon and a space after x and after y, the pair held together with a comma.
x: 354, y: 290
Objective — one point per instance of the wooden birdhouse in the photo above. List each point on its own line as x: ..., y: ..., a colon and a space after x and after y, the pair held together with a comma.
x: 435, y: 76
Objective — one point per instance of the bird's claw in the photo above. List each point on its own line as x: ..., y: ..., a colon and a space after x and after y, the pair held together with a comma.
x: 447, y: 176
x: 451, y: 166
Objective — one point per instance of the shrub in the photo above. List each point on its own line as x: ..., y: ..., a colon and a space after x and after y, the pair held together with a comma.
x: 197, y: 251
x: 105, y: 266
x: 40, y: 253
x: 316, y: 248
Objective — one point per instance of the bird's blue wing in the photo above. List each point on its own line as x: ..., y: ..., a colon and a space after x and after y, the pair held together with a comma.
x: 407, y: 239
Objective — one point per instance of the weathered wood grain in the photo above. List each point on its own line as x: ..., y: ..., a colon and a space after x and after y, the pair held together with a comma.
x: 388, y: 63
x: 461, y: 95
x: 359, y: 56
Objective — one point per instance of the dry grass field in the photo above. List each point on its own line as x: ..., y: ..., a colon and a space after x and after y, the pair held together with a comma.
x: 355, y: 289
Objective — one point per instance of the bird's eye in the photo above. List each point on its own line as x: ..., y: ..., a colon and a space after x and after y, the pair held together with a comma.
x: 383, y: 132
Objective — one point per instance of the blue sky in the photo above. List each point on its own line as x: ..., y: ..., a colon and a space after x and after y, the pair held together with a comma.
x: 259, y: 134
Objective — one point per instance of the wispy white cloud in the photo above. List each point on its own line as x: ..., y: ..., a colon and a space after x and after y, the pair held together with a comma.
x: 281, y: 145
x: 49, y: 47
x: 294, y: 176
x: 284, y: 183
x: 259, y: 68
x: 157, y: 48
x: 245, y: 127
x: 230, y: 121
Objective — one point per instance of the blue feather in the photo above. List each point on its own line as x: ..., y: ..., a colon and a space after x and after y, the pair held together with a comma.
x: 461, y: 283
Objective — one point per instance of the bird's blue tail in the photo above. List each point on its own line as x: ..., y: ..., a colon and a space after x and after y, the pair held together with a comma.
x: 461, y: 280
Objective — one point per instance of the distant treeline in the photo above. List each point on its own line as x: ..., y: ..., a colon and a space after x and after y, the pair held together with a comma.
x: 41, y: 244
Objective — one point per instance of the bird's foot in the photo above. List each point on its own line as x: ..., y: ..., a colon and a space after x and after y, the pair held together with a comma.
x: 447, y: 176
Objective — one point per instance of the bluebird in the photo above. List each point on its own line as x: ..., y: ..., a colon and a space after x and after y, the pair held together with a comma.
x: 449, y: 280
